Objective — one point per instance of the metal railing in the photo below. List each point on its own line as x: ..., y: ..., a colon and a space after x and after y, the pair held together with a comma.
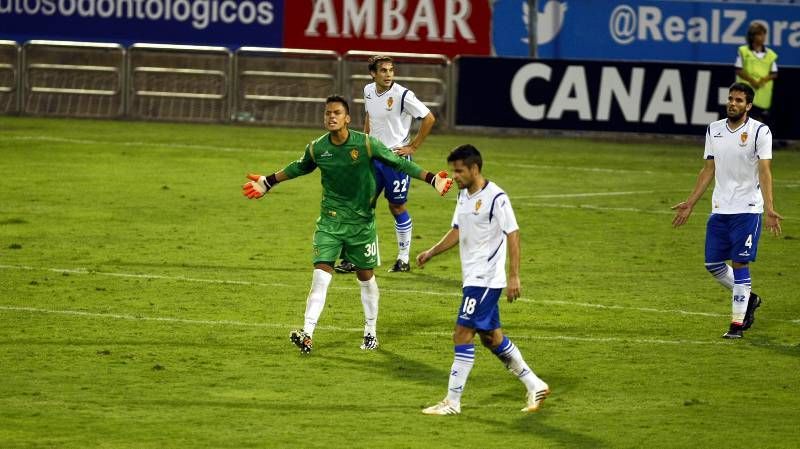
x: 270, y: 86
x: 179, y: 82
x: 9, y: 77
x: 78, y: 79
x: 286, y: 87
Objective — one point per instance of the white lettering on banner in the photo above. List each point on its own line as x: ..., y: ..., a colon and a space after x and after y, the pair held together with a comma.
x: 455, y: 17
x: 360, y: 19
x: 574, y: 79
x: 424, y: 16
x: 393, y: 20
x: 520, y: 81
x: 200, y: 13
x: 573, y: 94
x: 669, y: 85
x: 726, y: 26
x: 627, y: 99
x: 702, y: 89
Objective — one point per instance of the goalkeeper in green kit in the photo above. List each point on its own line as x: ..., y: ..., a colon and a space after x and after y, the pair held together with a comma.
x: 347, y: 216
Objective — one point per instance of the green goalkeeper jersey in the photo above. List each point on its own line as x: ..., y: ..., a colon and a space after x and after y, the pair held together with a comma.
x: 349, y: 188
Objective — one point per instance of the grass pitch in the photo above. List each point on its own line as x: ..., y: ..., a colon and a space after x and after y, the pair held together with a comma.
x: 146, y: 304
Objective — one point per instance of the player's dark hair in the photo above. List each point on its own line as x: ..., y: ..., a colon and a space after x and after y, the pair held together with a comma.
x: 338, y: 99
x: 752, y: 30
x: 375, y: 61
x: 467, y: 154
x: 742, y: 87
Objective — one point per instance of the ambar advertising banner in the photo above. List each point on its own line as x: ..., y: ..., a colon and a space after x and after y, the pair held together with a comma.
x: 642, y: 30
x: 606, y: 96
x: 231, y: 23
x: 449, y: 27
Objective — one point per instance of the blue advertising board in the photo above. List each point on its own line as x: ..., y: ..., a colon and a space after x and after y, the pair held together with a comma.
x: 203, y: 22
x: 641, y: 30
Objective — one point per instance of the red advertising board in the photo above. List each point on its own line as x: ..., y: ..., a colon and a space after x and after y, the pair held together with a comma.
x: 449, y: 27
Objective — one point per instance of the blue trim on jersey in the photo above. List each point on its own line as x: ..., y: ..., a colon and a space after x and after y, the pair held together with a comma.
x: 737, y: 129
x: 709, y: 157
x: 496, y: 250
x: 494, y: 200
x: 403, y: 101
x: 755, y: 144
x: 455, y: 226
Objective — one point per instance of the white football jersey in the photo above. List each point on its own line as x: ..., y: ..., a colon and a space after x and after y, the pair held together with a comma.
x: 736, y: 153
x: 391, y: 112
x: 483, y: 221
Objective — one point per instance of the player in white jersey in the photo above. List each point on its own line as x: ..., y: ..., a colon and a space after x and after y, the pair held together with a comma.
x: 738, y: 156
x: 391, y: 108
x: 483, y: 226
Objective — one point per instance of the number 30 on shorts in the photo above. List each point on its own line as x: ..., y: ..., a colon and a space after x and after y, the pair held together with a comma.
x: 371, y: 249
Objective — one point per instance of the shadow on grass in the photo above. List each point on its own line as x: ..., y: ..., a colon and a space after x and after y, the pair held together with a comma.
x: 397, y: 366
x: 537, y: 423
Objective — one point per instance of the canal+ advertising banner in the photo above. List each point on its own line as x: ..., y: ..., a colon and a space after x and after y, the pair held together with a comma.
x: 649, y: 97
x: 636, y: 30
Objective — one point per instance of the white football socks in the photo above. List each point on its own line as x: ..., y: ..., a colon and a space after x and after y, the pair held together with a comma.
x: 741, y: 294
x: 369, y: 299
x: 509, y: 354
x: 462, y: 364
x: 316, y: 299
x: 722, y: 272
x: 403, y: 231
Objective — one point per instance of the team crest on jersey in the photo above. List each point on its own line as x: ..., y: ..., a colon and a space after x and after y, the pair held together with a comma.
x: 478, y: 205
x: 744, y: 139
x: 389, y: 103
x: 354, y: 154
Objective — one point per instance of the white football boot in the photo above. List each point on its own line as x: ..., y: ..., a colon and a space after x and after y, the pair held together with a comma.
x: 536, y: 398
x: 443, y: 408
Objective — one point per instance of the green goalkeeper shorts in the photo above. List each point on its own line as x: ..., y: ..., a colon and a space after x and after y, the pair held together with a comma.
x: 359, y: 242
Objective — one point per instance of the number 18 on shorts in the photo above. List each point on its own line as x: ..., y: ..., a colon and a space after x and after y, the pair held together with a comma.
x: 479, y: 308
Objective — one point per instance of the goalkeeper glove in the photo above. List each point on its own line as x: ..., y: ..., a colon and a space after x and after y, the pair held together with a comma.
x: 258, y: 185
x: 440, y: 182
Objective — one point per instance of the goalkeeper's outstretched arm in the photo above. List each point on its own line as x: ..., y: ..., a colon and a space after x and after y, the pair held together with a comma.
x: 259, y: 185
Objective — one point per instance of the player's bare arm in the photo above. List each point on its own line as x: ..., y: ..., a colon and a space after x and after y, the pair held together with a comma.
x: 684, y: 208
x: 366, y: 123
x: 772, y: 219
x: 448, y: 241
x: 514, y: 288
x: 424, y: 129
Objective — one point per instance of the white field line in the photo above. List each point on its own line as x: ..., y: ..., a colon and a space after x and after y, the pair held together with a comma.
x: 185, y: 146
x: 644, y: 341
x: 588, y: 194
x: 614, y: 209
x: 454, y: 294
x: 585, y: 169
x: 789, y: 182
x: 593, y: 207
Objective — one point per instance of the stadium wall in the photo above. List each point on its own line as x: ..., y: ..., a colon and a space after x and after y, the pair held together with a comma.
x: 620, y: 30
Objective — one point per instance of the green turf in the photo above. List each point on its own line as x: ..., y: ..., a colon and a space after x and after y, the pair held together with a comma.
x: 144, y: 303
